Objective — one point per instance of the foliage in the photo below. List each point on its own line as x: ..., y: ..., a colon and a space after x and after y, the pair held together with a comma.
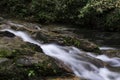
x: 43, y: 10
x: 73, y: 41
x: 31, y: 73
x: 102, y: 14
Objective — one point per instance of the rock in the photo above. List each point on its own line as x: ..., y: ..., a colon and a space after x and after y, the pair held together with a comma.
x: 4, y: 26
x: 111, y: 52
x: 7, y: 34
x: 88, y: 46
x: 34, y: 47
x: 2, y: 60
x: 26, y: 61
x: 66, y: 40
x: 40, y: 35
x: 51, y: 36
x: 5, y: 52
x: 20, y: 58
x: 81, y: 43
x: 1, y: 20
x: 64, y: 78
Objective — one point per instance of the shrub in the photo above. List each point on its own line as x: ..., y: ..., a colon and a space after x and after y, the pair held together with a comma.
x: 102, y: 14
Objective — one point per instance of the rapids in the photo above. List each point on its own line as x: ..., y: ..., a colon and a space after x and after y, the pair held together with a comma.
x: 71, y: 56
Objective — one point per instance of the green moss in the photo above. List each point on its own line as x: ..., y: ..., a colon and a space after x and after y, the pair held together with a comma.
x: 4, y: 52
x: 82, y: 44
x: 47, y: 67
x: 71, y: 41
x: 31, y: 47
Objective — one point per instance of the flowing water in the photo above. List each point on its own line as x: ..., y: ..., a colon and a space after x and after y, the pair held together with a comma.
x: 72, y: 57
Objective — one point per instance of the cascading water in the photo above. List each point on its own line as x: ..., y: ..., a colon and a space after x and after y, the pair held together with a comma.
x: 73, y: 58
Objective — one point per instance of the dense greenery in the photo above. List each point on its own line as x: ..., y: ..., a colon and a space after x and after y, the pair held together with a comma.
x: 102, y: 14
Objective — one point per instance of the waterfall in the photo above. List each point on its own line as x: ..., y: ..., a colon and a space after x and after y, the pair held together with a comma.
x: 72, y: 57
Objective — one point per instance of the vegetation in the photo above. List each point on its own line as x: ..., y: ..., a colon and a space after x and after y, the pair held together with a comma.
x: 102, y: 14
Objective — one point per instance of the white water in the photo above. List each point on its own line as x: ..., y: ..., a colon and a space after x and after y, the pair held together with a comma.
x: 71, y: 57
x: 106, y: 48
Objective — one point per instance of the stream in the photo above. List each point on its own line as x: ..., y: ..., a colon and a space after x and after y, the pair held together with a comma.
x: 101, y: 38
x: 73, y: 57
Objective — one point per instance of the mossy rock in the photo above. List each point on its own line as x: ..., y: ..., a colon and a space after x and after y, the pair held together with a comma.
x: 111, y: 53
x: 40, y: 63
x: 81, y: 44
x: 29, y: 67
x: 6, y: 52
x: 25, y: 59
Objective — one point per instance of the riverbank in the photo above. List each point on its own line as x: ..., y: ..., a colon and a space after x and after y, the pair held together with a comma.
x: 100, y: 14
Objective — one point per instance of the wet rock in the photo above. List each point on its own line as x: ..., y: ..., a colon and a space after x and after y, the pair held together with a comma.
x: 66, y: 40
x: 4, y: 26
x: 88, y: 46
x: 2, y: 60
x: 112, y: 53
x: 82, y: 44
x: 40, y: 64
x: 1, y: 20
x: 26, y: 61
x: 64, y: 78
x: 5, y: 52
x: 98, y: 63
x: 6, y: 33
x: 13, y: 24
x: 23, y: 58
x: 64, y: 37
x: 31, y: 47
x: 40, y: 35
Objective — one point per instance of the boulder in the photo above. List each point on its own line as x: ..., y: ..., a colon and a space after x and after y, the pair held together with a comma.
x: 24, y: 59
x: 112, y: 52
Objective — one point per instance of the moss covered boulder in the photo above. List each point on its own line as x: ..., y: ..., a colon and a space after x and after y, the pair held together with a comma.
x: 24, y: 59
